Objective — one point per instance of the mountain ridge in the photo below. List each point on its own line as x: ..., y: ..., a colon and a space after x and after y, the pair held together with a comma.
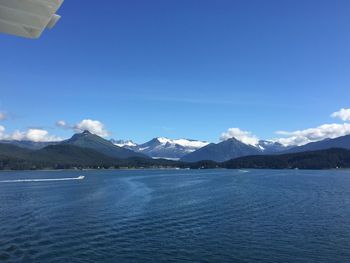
x: 321, y: 159
x: 338, y: 142
x: 183, y: 149
x: 95, y: 142
x: 162, y: 147
x: 29, y: 144
x: 223, y: 151
x: 66, y: 156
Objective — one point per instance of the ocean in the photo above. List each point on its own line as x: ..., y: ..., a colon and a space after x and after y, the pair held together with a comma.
x: 175, y: 216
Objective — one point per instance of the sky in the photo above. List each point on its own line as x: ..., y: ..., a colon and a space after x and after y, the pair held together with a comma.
x: 195, y: 69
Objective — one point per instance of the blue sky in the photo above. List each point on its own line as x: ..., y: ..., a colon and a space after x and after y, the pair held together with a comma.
x: 184, y: 68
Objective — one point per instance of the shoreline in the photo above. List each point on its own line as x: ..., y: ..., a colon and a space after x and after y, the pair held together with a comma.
x: 171, y: 169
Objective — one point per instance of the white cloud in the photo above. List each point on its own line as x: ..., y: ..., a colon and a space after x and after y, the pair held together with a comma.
x: 62, y: 124
x: 35, y: 135
x: 93, y: 126
x: 2, y: 131
x: 343, y: 114
x: 322, y: 132
x: 2, y: 116
x: 243, y: 136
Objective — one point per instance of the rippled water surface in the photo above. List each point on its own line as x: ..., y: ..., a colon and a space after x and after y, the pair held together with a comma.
x: 175, y: 215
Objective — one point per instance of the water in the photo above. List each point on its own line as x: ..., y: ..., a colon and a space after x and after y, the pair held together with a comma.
x: 175, y: 216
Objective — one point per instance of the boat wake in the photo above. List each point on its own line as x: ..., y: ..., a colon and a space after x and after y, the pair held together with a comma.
x: 43, y: 180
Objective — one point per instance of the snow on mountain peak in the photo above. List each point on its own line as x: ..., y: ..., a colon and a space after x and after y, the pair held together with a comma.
x: 163, y: 140
x: 122, y: 143
x: 162, y: 147
x: 183, y: 142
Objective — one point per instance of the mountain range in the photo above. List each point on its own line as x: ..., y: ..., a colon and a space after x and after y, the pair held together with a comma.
x: 81, y: 150
x: 339, y: 142
x: 83, y: 140
x: 92, y: 141
x: 162, y: 147
x: 65, y: 156
x: 186, y: 150
x: 232, y: 148
x: 190, y: 150
x: 28, y: 144
x: 87, y: 150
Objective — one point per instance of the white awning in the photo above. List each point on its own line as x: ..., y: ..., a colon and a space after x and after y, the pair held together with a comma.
x: 28, y: 18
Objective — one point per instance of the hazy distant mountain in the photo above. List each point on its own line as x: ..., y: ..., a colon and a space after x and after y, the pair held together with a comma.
x: 97, y: 143
x: 270, y: 147
x: 13, y: 151
x: 162, y: 147
x: 29, y: 144
x: 223, y: 151
x: 340, y: 142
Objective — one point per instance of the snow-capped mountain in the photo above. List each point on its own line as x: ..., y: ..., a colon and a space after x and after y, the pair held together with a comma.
x: 188, y: 143
x: 166, y: 148
x: 270, y: 147
x: 223, y: 151
x: 162, y: 147
x: 233, y: 148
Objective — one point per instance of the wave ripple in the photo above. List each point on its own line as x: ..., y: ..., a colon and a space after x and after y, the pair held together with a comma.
x: 176, y: 216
